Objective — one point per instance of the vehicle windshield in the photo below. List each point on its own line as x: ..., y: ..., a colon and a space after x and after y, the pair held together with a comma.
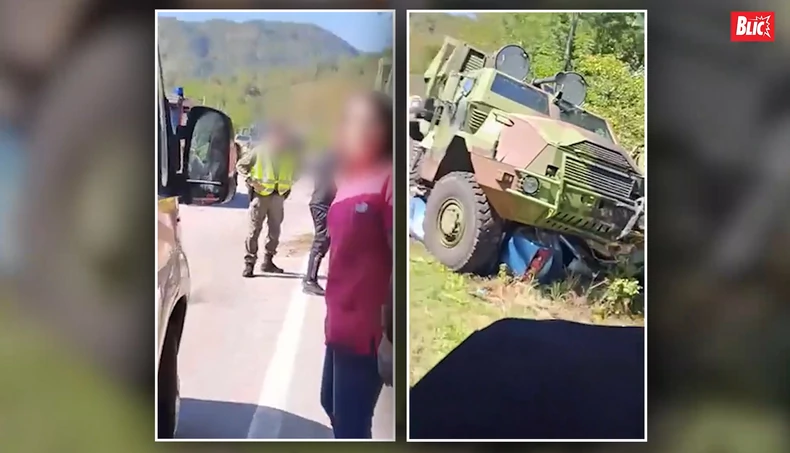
x: 520, y: 93
x: 242, y: 138
x: 586, y: 120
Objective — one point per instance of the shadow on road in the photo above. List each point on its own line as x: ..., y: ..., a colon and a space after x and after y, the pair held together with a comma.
x: 241, y: 200
x: 294, y: 275
x: 202, y: 419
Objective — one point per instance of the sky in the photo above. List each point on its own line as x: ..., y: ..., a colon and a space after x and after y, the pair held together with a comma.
x: 367, y: 31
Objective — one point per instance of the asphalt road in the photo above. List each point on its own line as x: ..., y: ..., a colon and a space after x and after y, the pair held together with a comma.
x: 252, y: 350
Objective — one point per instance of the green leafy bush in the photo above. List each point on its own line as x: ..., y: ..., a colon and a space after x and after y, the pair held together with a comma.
x: 619, y: 296
x: 617, y: 93
x: 308, y: 97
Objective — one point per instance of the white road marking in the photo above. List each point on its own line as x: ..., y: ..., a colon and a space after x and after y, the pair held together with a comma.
x: 267, y: 423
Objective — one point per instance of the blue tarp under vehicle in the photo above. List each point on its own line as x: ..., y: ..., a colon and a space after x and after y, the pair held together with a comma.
x: 546, y: 255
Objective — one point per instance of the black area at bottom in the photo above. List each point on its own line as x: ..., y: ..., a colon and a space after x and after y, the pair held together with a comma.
x: 525, y: 379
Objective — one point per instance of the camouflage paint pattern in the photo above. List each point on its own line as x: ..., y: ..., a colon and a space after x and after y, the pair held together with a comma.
x: 269, y: 208
x: 588, y: 185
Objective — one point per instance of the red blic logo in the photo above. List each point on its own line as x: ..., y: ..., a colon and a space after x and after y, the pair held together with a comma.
x: 754, y: 26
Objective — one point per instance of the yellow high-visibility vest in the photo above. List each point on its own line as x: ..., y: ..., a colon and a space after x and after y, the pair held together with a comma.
x: 271, y: 179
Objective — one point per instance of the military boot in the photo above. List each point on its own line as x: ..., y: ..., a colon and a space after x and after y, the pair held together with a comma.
x: 248, y: 269
x: 269, y: 266
x: 310, y: 283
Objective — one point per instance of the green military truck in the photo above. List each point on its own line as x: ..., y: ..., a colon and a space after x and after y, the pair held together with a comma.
x: 492, y: 151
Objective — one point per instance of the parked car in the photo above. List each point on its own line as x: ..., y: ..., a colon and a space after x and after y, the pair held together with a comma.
x: 205, y: 137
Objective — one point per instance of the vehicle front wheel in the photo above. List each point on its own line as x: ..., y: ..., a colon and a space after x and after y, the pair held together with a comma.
x: 168, y: 385
x: 461, y: 229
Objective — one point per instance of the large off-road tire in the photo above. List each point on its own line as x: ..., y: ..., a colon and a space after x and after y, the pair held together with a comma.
x: 168, y: 399
x: 461, y: 229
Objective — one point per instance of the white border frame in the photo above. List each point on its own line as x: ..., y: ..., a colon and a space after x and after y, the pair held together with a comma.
x: 408, y: 252
x: 156, y: 211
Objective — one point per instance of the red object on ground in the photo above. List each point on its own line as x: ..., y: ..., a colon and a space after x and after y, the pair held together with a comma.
x: 537, y: 263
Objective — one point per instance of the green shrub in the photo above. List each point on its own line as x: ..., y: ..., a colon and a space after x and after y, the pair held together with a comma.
x: 619, y: 297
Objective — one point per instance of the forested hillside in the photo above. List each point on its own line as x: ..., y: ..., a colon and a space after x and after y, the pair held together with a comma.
x: 263, y: 70
x: 309, y: 97
x: 607, y: 48
x: 222, y: 47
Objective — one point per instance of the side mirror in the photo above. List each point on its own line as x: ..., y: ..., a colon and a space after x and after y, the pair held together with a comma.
x: 209, y: 157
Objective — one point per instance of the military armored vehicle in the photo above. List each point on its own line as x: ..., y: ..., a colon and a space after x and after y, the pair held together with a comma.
x: 493, y: 152
x: 384, y: 76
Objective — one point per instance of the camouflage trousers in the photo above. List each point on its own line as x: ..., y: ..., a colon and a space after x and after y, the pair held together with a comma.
x: 270, y: 209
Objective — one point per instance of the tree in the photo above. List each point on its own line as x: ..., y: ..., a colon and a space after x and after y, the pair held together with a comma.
x: 299, y: 94
x: 616, y: 93
x: 621, y: 35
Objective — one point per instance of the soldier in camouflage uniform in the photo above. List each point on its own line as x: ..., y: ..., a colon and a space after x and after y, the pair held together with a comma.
x: 268, y: 170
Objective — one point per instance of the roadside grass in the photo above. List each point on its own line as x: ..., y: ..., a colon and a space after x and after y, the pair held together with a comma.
x: 445, y: 307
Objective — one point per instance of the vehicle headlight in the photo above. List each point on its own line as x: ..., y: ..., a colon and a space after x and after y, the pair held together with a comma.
x: 530, y: 185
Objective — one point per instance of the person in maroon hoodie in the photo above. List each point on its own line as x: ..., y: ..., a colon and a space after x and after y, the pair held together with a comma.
x: 358, y: 324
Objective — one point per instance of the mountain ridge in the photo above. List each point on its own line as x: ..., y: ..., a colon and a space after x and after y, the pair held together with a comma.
x: 221, y: 47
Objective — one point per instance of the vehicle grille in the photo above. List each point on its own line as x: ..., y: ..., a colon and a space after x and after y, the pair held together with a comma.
x: 598, y: 178
x: 568, y: 223
x: 473, y: 61
x: 602, y: 154
x: 477, y: 117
